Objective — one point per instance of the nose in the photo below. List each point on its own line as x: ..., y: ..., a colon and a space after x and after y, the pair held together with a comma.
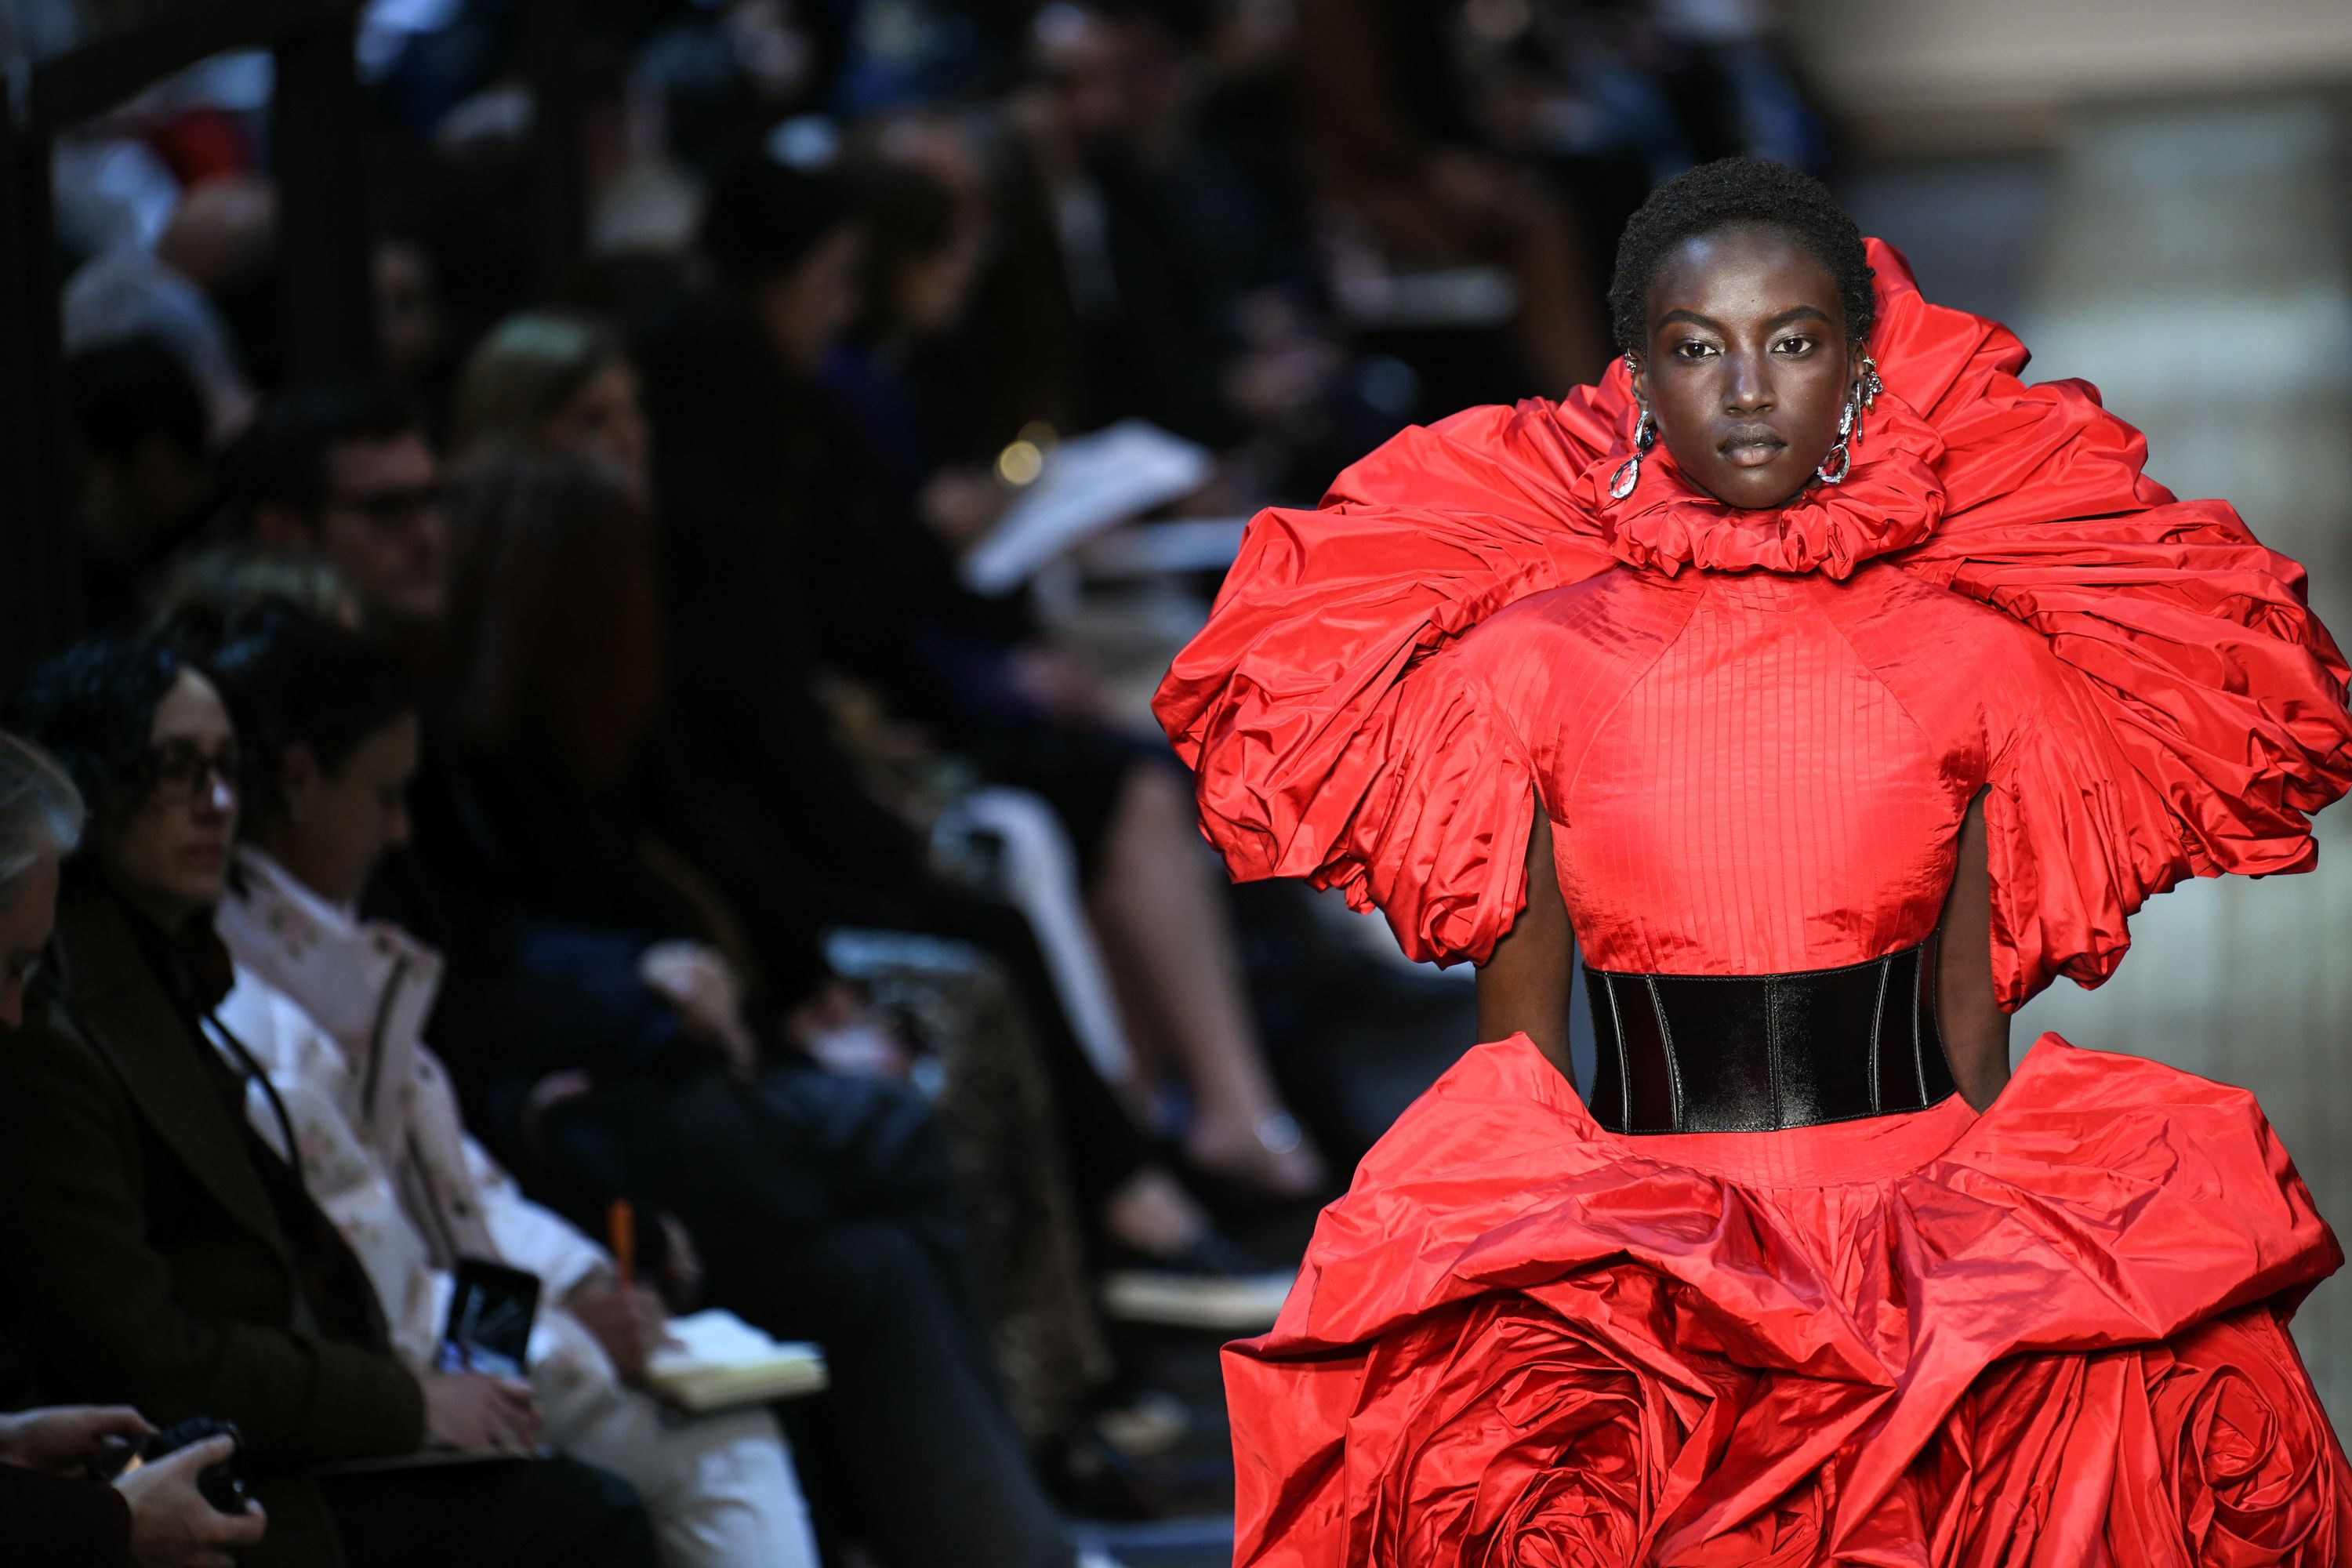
x: 1749, y: 391
x: 219, y: 796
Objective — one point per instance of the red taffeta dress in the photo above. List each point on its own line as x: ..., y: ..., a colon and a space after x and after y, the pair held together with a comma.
x: 2055, y: 1334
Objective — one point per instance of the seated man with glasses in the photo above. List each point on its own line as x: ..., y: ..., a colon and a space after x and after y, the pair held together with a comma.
x: 346, y: 473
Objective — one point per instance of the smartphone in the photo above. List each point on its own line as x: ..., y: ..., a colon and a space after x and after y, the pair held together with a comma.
x: 490, y: 1314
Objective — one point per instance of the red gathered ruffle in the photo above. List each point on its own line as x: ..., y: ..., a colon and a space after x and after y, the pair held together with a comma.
x: 2207, y: 721
x: 2052, y: 1335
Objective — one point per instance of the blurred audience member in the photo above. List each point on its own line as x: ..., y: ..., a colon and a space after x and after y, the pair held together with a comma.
x: 775, y: 510
x: 627, y: 1040
x: 128, y: 294
x: 412, y: 327
x: 224, y: 235
x: 767, y: 862
x: 162, y: 1253
x: 347, y: 473
x: 558, y: 380
x: 51, y: 1508
x: 332, y: 1009
x: 146, y: 482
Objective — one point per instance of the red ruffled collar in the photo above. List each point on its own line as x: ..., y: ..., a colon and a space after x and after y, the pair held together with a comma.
x: 1890, y: 500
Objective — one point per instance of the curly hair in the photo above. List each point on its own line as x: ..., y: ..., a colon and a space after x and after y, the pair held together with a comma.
x: 92, y: 707
x: 1733, y: 192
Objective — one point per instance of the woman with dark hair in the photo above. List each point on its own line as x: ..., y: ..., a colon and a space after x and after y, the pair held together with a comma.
x: 1833, y: 691
x: 332, y: 1010
x: 160, y: 1253
x: 628, y: 1028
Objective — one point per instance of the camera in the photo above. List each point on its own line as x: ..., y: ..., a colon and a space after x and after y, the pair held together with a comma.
x: 226, y: 1484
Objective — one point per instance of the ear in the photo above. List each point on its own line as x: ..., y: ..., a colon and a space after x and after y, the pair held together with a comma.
x: 1638, y: 370
x: 278, y: 527
x: 1862, y: 373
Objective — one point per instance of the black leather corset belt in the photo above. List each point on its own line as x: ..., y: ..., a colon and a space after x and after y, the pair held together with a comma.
x: 1687, y: 1053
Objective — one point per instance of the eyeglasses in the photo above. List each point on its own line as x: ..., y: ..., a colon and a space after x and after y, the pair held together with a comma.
x: 185, y: 774
x: 393, y: 509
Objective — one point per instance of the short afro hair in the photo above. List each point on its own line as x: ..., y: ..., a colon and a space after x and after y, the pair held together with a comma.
x: 1733, y: 192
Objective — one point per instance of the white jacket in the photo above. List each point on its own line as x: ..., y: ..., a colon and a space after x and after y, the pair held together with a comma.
x: 332, y: 1009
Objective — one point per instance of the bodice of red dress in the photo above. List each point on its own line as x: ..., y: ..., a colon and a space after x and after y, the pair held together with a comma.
x: 1752, y: 775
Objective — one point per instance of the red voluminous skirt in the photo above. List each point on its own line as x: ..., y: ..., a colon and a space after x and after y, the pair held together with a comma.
x: 2052, y: 1336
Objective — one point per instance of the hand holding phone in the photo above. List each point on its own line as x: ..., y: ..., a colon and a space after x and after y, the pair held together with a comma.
x: 481, y: 1414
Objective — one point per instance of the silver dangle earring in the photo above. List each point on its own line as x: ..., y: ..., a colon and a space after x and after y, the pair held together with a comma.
x: 1840, y: 460
x: 1871, y: 385
x: 1629, y: 472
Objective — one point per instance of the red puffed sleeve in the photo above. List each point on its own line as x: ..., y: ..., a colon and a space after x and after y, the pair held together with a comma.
x: 2076, y: 837
x: 1439, y: 843
x: 2195, y: 714
x: 1325, y: 743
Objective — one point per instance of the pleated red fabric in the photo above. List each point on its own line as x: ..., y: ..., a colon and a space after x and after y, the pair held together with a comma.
x: 2055, y: 1335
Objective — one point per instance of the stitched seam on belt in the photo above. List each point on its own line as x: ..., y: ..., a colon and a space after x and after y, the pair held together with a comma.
x: 1877, y: 1017
x: 1772, y: 1051
x: 1918, y: 1063
x: 1667, y: 1033
x: 1625, y: 1066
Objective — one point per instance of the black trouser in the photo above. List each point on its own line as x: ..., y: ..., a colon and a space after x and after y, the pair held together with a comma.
x: 537, y: 1513
x: 827, y: 1208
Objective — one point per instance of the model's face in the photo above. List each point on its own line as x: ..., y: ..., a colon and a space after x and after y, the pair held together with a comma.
x: 1747, y: 367
x: 167, y: 850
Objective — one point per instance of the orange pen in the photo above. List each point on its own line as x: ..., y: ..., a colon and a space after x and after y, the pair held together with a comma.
x: 621, y: 1225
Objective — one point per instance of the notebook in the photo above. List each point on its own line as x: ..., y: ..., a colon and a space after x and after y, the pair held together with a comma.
x: 721, y: 1361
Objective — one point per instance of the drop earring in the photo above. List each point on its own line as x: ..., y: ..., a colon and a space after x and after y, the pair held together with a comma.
x: 1840, y: 460
x: 1629, y: 472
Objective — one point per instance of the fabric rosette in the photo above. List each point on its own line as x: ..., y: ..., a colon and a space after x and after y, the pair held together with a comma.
x: 1539, y: 1443
x: 2251, y: 1478
x: 1547, y: 1441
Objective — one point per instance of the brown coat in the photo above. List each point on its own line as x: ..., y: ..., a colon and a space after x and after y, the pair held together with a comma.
x: 145, y: 1262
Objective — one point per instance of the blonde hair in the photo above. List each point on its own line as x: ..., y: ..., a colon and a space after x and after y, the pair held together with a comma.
x: 526, y: 369
x: 40, y: 814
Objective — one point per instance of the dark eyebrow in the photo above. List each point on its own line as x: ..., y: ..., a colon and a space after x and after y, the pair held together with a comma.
x: 1694, y: 317
x: 1794, y: 313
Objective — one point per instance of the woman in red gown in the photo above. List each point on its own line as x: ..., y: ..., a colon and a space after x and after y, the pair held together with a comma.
x: 1877, y: 693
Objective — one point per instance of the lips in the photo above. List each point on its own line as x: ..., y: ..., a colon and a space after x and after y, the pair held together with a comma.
x: 1751, y: 446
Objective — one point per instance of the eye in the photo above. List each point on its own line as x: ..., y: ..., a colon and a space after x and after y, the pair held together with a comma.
x: 1795, y: 344
x: 1692, y: 349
